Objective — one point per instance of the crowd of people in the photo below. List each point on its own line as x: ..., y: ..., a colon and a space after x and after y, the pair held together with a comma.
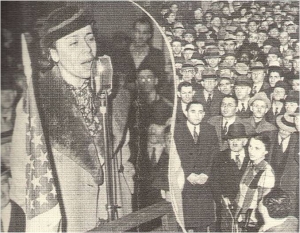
x: 236, y: 122
x: 237, y: 118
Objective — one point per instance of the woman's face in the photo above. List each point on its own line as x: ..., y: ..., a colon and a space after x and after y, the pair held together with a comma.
x: 257, y: 149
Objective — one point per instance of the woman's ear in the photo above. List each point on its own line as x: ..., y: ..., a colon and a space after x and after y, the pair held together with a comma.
x: 54, y: 55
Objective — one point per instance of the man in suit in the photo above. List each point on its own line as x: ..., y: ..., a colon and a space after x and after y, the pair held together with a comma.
x: 227, y: 118
x: 229, y: 166
x: 259, y: 105
x: 277, y: 107
x: 195, y: 143
x: 242, y: 91
x: 12, y: 216
x: 185, y: 94
x: 285, y: 159
x: 258, y: 78
x: 210, y: 97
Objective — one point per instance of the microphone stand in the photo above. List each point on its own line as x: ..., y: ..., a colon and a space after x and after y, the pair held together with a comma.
x: 109, y: 174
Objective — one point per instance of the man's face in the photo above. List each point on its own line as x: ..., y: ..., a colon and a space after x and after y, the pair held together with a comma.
x: 225, y: 87
x: 209, y: 84
x: 244, y: 58
x: 252, y: 27
x: 253, y: 38
x: 146, y: 81
x: 208, y: 17
x: 240, y: 37
x: 272, y: 58
x: 257, y: 149
x: 8, y: 98
x: 156, y: 134
x: 200, y: 44
x: 171, y: 18
x: 228, y: 107
x: 264, y: 25
x: 213, y: 61
x: 187, y: 54
x: 259, y: 108
x: 225, y: 11
x: 198, y: 13
x: 5, y: 198
x: 270, y: 20
x: 296, y: 84
x: 230, y: 61
x: 278, y: 93
x: 141, y: 34
x: 186, y: 94
x: 274, y: 78
x: 75, y: 52
x: 262, y: 37
x: 188, y: 37
x: 198, y: 75
x: 237, y: 144
x: 178, y: 32
x: 266, y: 49
x: 291, y: 107
x: 278, y: 19
x: 274, y: 32
x: 216, y: 22
x: 176, y: 46
x: 174, y: 8
x: 229, y: 46
x: 195, y: 114
x: 296, y: 64
x: 242, y: 92
x: 284, y: 38
x: 257, y: 76
x: 187, y: 74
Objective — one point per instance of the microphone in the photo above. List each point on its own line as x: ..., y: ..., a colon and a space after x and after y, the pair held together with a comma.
x: 102, y: 75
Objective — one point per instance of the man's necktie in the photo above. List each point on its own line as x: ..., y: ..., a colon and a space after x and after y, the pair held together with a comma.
x: 153, y: 157
x: 195, y: 135
x: 225, y: 128
x: 254, y: 91
x: 209, y: 100
x: 238, y: 161
x: 276, y: 111
x: 243, y: 108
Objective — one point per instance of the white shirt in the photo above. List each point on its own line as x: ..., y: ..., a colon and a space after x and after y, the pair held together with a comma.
x: 5, y: 217
x: 257, y: 87
x: 206, y: 94
x: 241, y: 155
x: 284, y: 142
x: 279, y: 107
x: 192, y: 127
x: 245, y: 102
x: 283, y: 48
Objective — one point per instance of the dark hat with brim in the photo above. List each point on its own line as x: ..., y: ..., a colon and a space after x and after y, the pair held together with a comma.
x: 293, y: 96
x: 212, y: 53
x: 63, y: 21
x: 236, y: 130
x: 283, y: 85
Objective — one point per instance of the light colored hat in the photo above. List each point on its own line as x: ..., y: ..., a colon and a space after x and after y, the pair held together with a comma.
x: 286, y: 123
x: 260, y: 96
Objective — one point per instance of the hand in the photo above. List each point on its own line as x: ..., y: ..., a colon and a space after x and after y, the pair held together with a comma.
x: 202, y: 178
x: 192, y: 178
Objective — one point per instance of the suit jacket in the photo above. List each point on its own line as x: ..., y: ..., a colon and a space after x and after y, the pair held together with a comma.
x: 226, y: 175
x: 180, y: 116
x: 197, y: 200
x: 271, y: 117
x: 17, y: 221
x: 264, y: 88
x: 217, y: 122
x: 289, y: 181
x: 215, y: 107
x: 263, y: 126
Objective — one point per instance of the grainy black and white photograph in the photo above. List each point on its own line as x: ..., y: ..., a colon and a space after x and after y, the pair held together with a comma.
x: 150, y: 116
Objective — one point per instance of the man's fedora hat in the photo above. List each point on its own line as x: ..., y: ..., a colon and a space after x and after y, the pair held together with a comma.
x: 257, y: 66
x: 286, y: 123
x: 62, y: 22
x: 209, y: 73
x: 236, y: 130
x: 293, y: 96
x: 260, y: 96
x: 211, y: 53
